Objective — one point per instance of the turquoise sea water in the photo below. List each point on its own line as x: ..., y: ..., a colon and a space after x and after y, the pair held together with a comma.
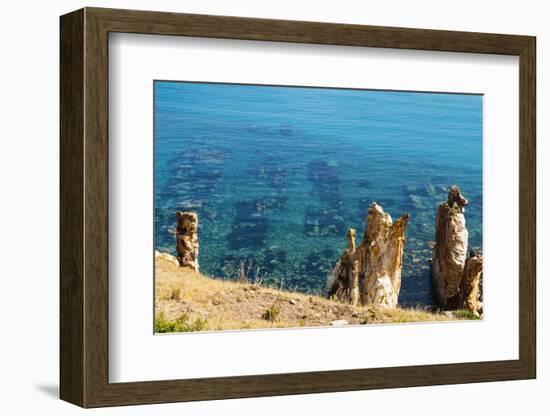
x: 278, y: 174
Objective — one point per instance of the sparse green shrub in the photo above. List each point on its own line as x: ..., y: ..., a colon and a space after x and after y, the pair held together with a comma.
x: 364, y: 320
x: 196, y: 326
x: 180, y: 324
x: 162, y: 325
x: 271, y: 313
x: 464, y: 314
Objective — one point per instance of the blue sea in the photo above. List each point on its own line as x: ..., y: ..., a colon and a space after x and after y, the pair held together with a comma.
x: 278, y: 174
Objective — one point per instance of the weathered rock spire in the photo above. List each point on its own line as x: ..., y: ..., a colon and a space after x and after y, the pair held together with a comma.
x: 449, y: 253
x: 343, y: 282
x: 371, y: 272
x: 471, y: 283
x: 187, y: 240
x: 455, y: 278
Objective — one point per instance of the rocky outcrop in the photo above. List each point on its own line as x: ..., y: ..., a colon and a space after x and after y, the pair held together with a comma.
x: 166, y: 257
x: 371, y: 273
x: 343, y: 281
x: 471, y: 283
x: 449, y: 253
x: 456, y: 277
x: 187, y: 240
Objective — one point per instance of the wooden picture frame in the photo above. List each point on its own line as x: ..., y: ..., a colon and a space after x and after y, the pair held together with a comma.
x: 84, y: 207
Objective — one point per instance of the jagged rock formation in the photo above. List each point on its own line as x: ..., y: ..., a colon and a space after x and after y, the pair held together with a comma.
x: 344, y: 278
x: 371, y: 273
x: 449, y: 254
x: 455, y: 278
x: 187, y: 240
x: 470, y: 287
x: 382, y: 257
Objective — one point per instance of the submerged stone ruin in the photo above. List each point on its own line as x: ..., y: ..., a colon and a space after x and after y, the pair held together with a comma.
x: 456, y: 276
x: 371, y: 273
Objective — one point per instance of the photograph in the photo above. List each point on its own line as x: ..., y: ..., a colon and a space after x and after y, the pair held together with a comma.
x: 242, y: 193
x: 297, y: 206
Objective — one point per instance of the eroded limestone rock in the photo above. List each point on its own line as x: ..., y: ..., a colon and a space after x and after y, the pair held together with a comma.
x: 371, y: 273
x: 345, y: 274
x: 166, y: 257
x: 381, y: 257
x: 449, y: 253
x: 456, y: 276
x: 470, y: 287
x: 187, y: 241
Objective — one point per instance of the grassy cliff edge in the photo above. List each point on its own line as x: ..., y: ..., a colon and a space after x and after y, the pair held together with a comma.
x: 188, y: 301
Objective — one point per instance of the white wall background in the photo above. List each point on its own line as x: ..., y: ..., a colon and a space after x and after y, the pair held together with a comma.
x: 29, y: 85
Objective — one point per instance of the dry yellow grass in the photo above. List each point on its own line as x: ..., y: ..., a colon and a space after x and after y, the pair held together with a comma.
x: 221, y: 305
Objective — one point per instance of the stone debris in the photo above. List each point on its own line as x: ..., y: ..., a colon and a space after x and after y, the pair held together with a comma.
x: 339, y: 322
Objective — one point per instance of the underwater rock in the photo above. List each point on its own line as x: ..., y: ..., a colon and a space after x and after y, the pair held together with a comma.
x: 187, y: 240
x: 271, y: 171
x: 286, y: 130
x: 371, y: 272
x: 209, y: 155
x: 325, y: 181
x: 250, y: 225
x: 317, y: 263
x: 364, y: 183
x: 470, y: 287
x: 275, y: 255
x: 322, y: 223
x: 190, y: 204
x: 430, y: 190
x: 449, y: 253
x: 324, y: 219
x: 416, y: 201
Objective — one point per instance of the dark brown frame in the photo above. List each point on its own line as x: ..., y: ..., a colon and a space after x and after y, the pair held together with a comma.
x: 84, y: 208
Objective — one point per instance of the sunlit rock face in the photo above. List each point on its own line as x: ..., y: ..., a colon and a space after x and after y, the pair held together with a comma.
x: 371, y: 273
x: 450, y: 250
x: 471, y: 283
x: 381, y: 257
x: 187, y: 240
x: 343, y: 281
x: 166, y: 257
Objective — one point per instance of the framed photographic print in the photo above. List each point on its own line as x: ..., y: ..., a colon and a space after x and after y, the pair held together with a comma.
x: 255, y: 207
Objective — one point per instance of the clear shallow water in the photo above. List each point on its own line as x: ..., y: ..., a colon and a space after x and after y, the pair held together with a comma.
x: 278, y: 174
